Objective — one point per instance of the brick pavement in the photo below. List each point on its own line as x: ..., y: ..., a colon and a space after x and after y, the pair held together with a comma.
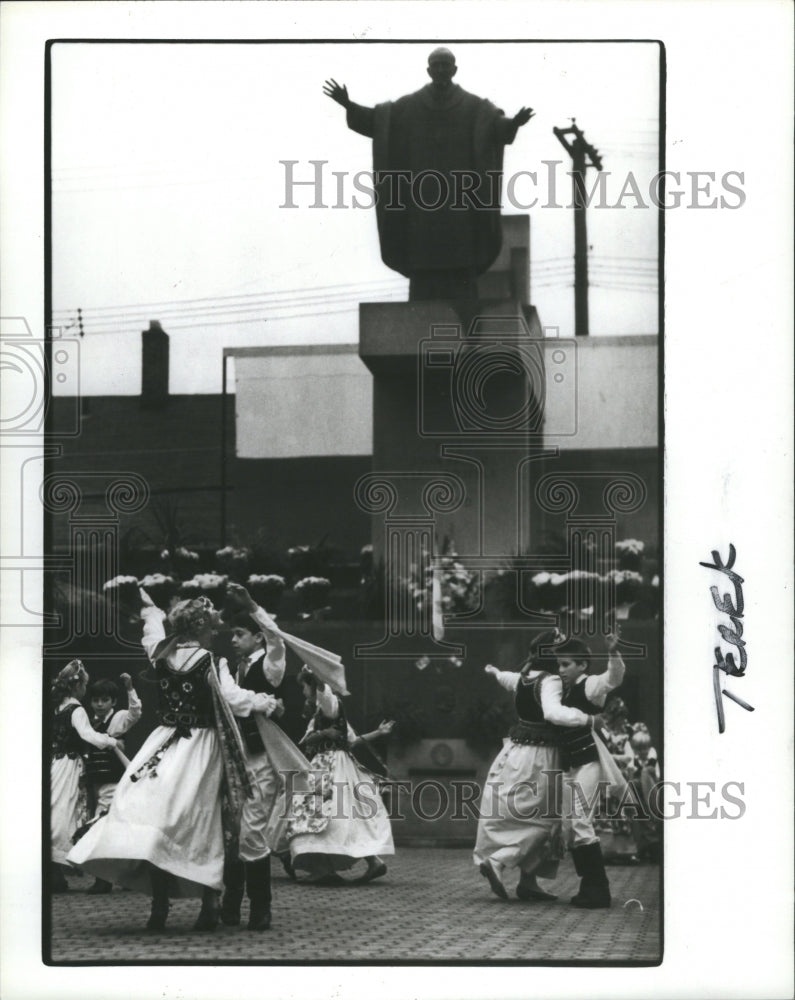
x: 432, y: 906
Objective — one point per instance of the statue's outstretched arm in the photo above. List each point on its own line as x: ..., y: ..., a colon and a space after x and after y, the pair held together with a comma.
x: 359, y: 118
x: 508, y: 127
x: 523, y: 116
x: 337, y: 92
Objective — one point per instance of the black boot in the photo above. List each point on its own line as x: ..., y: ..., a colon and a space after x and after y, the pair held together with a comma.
x: 258, y: 886
x: 576, y: 857
x: 159, y: 914
x: 529, y: 889
x: 210, y: 911
x: 594, y: 891
x: 234, y: 883
x: 287, y: 865
x: 99, y: 888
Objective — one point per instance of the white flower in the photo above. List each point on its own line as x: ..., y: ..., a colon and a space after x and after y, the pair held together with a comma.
x: 228, y: 552
x: 311, y: 583
x: 423, y: 662
x: 632, y: 545
x: 207, y: 581
x: 119, y: 581
x: 267, y: 578
x: 655, y: 580
x: 456, y: 661
x: 582, y: 574
x: 557, y: 579
x: 541, y: 578
x: 155, y: 579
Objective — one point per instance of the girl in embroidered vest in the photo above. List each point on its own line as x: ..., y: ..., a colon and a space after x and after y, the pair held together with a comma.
x: 163, y: 834
x: 345, y: 820
x: 520, y: 810
x: 72, y: 736
x: 104, y: 768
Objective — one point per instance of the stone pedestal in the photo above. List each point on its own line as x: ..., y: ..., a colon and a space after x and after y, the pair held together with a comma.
x: 458, y: 391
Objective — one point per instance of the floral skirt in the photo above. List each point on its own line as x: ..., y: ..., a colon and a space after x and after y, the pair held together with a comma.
x: 341, y: 821
x: 519, y: 824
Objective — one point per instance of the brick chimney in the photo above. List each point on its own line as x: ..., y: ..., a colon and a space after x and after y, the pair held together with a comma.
x: 154, y: 367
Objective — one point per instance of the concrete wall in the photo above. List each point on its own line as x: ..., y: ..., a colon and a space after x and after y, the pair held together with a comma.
x: 615, y: 388
x: 177, y: 449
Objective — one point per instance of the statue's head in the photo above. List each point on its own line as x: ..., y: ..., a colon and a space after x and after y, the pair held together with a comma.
x: 441, y: 67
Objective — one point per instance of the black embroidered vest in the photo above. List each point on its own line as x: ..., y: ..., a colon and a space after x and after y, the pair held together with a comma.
x: 184, y: 698
x: 66, y: 741
x: 255, y: 680
x: 102, y: 766
x: 578, y: 745
x: 532, y: 728
x: 328, y: 734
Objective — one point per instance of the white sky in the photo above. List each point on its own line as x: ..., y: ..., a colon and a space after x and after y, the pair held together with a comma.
x: 167, y: 189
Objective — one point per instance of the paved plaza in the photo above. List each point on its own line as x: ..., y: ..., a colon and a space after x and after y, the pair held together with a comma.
x: 432, y: 906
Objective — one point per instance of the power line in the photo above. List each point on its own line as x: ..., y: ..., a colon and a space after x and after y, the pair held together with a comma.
x: 264, y: 310
x: 249, y: 295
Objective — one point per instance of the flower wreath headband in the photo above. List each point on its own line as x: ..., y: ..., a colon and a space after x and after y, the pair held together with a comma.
x: 191, y: 615
x: 73, y: 671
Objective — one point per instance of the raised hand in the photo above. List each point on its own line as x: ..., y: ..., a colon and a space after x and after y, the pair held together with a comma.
x: 523, y: 116
x: 239, y: 594
x: 612, y: 640
x: 489, y: 669
x: 385, y: 727
x: 146, y: 600
x: 337, y: 92
x: 126, y: 681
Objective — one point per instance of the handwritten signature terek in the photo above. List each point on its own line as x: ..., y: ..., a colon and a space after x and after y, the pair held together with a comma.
x: 731, y: 635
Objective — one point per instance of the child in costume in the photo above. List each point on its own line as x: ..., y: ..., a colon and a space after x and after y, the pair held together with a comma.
x: 103, y: 768
x: 163, y: 833
x: 587, y: 762
x: 261, y: 665
x: 646, y: 774
x: 345, y: 820
x: 71, y: 734
x: 616, y: 833
x: 519, y: 824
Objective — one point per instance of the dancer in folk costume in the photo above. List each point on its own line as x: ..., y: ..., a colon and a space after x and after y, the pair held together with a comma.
x: 520, y: 822
x: 616, y: 832
x: 163, y: 833
x: 645, y: 776
x: 588, y: 764
x: 104, y: 768
x: 269, y: 752
x: 72, y: 734
x: 344, y: 820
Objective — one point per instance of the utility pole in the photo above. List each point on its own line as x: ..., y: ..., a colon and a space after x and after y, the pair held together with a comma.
x: 583, y: 155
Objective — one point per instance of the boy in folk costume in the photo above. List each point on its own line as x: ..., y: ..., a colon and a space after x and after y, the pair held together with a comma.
x: 104, y: 768
x: 587, y: 761
x: 260, y: 669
